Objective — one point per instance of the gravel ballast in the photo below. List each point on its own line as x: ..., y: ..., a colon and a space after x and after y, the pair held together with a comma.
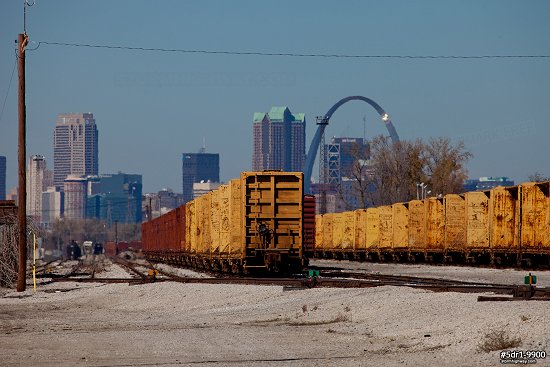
x: 171, y: 324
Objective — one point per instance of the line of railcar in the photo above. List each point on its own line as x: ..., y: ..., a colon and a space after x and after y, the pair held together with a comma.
x: 504, y: 225
x: 254, y: 223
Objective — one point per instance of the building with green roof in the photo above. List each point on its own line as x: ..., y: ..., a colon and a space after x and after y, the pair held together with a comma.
x: 279, y: 140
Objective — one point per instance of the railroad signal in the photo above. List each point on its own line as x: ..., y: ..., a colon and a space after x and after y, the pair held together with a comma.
x: 530, y: 279
x: 313, y: 273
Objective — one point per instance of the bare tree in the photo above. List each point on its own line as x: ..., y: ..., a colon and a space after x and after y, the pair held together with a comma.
x: 445, y: 165
x: 538, y: 177
x: 9, y: 248
x: 8, y: 252
x: 394, y: 169
x: 355, y: 191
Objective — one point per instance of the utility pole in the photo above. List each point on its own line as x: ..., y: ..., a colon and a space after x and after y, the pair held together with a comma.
x: 22, y: 41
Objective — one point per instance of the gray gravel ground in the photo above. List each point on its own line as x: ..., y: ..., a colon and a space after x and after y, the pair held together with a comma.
x: 174, y: 324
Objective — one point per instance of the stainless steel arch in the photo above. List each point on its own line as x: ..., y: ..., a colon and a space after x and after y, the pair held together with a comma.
x: 314, y: 146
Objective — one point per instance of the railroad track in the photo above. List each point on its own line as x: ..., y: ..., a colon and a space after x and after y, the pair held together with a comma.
x: 395, y: 278
x: 327, y: 279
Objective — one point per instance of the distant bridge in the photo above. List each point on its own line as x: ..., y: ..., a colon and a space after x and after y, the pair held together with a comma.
x: 314, y: 146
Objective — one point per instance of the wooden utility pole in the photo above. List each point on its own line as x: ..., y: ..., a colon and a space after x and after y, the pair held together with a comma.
x: 22, y: 41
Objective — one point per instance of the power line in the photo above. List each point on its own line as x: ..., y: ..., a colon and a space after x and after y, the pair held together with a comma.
x: 290, y: 54
x: 8, y: 91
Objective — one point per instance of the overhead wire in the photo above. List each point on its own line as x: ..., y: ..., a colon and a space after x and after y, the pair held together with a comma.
x: 8, y: 91
x: 289, y: 54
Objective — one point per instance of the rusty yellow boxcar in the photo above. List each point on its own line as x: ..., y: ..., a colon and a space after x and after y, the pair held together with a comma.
x: 252, y: 223
x: 501, y: 226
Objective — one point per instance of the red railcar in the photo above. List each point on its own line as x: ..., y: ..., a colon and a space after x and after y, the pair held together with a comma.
x: 165, y: 234
x: 309, y: 225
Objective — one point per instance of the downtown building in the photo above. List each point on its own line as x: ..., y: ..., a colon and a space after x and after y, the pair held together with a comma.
x: 341, y: 157
x: 53, y: 204
x: 197, y: 167
x: 486, y: 183
x: 108, y: 197
x: 75, y: 147
x: 114, y: 198
x: 204, y: 187
x: 342, y: 161
x: 36, y: 184
x: 279, y: 140
x: 74, y: 197
x: 39, y: 179
x: 158, y: 203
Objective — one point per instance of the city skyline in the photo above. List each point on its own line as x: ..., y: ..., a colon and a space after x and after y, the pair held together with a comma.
x: 152, y: 106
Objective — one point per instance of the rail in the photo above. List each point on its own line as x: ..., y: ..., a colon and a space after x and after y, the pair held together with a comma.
x: 327, y: 279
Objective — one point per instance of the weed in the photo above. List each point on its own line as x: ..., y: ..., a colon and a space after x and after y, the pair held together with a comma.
x: 498, y: 339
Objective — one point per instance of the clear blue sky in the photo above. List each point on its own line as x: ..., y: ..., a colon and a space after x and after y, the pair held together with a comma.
x: 151, y: 107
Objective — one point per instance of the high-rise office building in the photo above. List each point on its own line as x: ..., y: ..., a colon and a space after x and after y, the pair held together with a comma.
x: 2, y: 177
x: 48, y: 178
x: 75, y: 146
x: 74, y: 188
x: 114, y: 198
x: 341, y: 155
x: 36, y: 168
x: 197, y: 167
x: 52, y: 205
x: 343, y: 160
x: 279, y: 140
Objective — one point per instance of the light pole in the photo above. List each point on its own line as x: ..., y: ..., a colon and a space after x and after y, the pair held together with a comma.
x: 422, y: 191
x: 418, y: 185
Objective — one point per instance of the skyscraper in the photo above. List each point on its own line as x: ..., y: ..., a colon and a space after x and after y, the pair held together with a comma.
x: 52, y: 205
x: 75, y: 146
x: 115, y: 198
x: 279, y: 140
x: 342, y: 154
x: 2, y: 177
x: 74, y: 188
x: 343, y: 162
x: 197, y: 167
x: 36, y: 168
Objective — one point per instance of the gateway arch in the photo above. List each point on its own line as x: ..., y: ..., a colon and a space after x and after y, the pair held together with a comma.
x: 314, y: 146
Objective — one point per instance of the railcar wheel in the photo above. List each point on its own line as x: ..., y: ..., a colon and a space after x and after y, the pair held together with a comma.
x: 224, y: 266
x: 527, y: 262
